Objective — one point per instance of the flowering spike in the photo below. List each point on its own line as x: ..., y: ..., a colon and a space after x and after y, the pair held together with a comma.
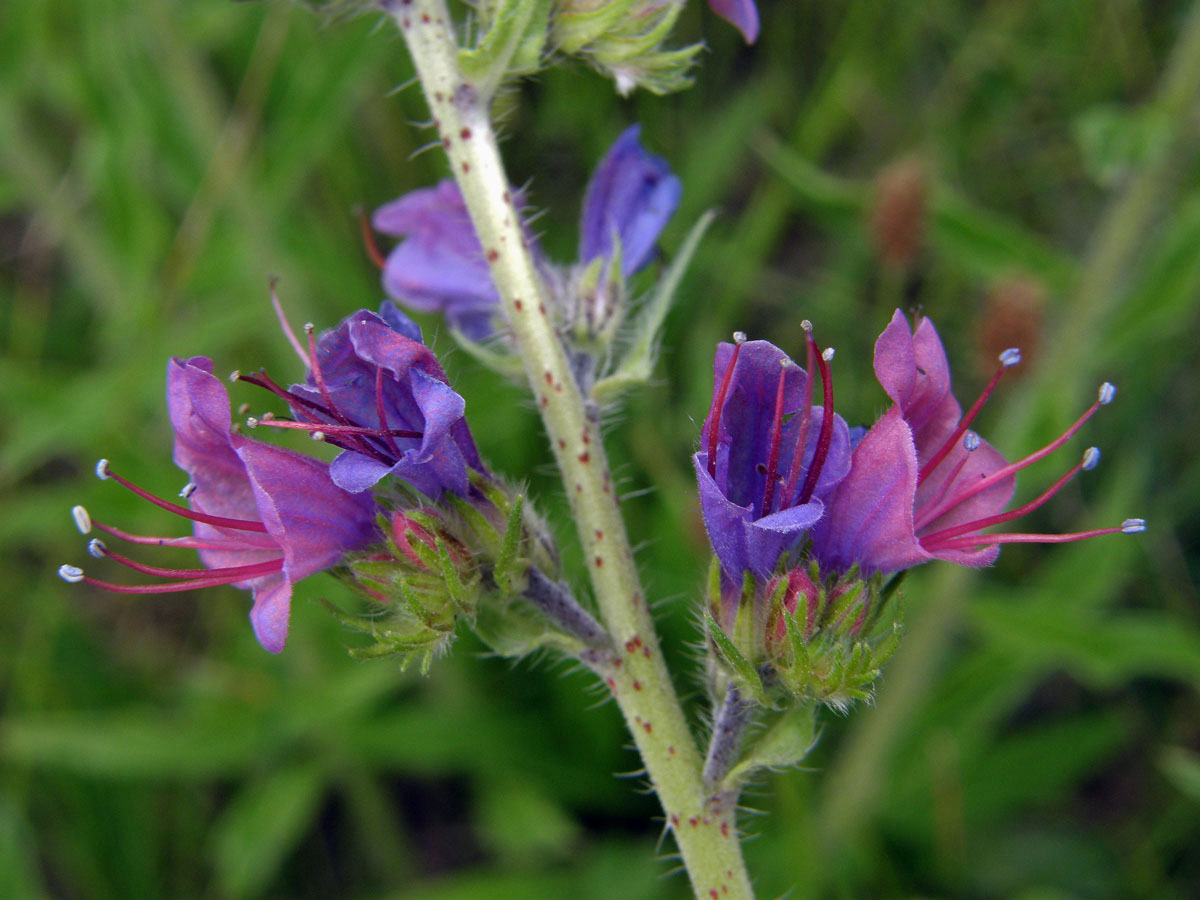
x: 1010, y: 357
x: 1108, y: 390
x: 83, y: 521
x: 1091, y: 458
x: 1133, y: 526
x: 71, y: 574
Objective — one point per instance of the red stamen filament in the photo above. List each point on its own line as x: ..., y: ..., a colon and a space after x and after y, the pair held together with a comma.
x: 195, y: 516
x: 227, y: 574
x: 714, y: 424
x: 369, y: 242
x: 826, y: 435
x: 283, y: 323
x: 963, y: 425
x: 340, y: 429
x: 987, y: 540
x: 189, y: 543
x: 939, y: 538
x: 776, y: 435
x: 381, y: 414
x: 171, y: 587
x: 789, y: 489
x: 932, y: 512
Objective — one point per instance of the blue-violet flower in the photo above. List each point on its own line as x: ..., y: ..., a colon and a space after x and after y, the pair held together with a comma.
x: 763, y: 479
x: 264, y: 517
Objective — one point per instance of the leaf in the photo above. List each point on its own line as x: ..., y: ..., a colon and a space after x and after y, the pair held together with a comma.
x: 786, y: 743
x: 262, y: 825
x: 1182, y: 768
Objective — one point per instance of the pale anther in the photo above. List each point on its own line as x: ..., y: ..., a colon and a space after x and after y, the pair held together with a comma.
x: 1108, y: 390
x: 318, y: 435
x: 73, y: 574
x: 235, y: 375
x: 97, y: 549
x: 1091, y: 458
x: 739, y: 337
x: 83, y: 521
x: 187, y: 490
x: 102, y: 470
x: 1133, y: 526
x: 251, y: 422
x: 1010, y: 357
x: 827, y: 354
x: 970, y: 441
x: 806, y: 325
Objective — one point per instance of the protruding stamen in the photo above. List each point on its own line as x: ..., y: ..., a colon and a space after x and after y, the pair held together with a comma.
x: 368, y: 237
x: 988, y: 540
x: 1091, y: 458
x: 827, y: 354
x: 714, y: 416
x: 929, y: 512
x: 774, y: 440
x: 235, y: 376
x: 1133, y: 526
x: 970, y: 442
x: 941, y: 538
x: 102, y: 470
x: 826, y: 434
x: 83, y: 521
x: 810, y: 356
x: 171, y: 587
x: 381, y: 413
x: 283, y: 323
x: 1108, y: 390
x: 194, y: 515
x: 1007, y: 361
x: 96, y: 548
x: 72, y: 574
x: 226, y: 574
x: 241, y: 542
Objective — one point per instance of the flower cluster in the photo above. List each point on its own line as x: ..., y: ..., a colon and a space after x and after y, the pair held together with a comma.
x: 439, y: 264
x: 806, y: 516
x: 265, y: 517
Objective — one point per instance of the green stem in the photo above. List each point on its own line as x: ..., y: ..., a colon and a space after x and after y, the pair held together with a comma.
x: 704, y: 827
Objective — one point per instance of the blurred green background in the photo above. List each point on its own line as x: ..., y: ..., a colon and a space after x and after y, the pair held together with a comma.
x: 1038, y: 734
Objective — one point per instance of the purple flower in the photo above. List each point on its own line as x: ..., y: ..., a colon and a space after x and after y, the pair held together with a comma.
x: 742, y: 14
x: 922, y: 486
x: 265, y: 517
x: 632, y: 195
x: 763, y: 479
x: 439, y: 266
x: 377, y: 392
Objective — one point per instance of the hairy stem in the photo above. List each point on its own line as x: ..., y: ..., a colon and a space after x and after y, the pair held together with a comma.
x: 728, y: 728
x: 556, y: 603
x: 704, y: 827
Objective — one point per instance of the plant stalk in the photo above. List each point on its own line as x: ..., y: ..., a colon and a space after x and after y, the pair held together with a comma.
x: 704, y: 828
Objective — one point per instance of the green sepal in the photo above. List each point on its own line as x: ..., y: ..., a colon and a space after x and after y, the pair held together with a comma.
x: 637, y: 364
x: 785, y: 744
x: 574, y: 30
x: 743, y: 671
x: 799, y: 673
x: 484, y: 530
x: 458, y: 591
x: 511, y: 46
x: 508, y: 569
